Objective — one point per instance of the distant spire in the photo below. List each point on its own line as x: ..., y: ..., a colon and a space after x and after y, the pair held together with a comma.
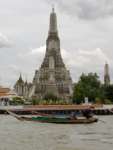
x: 20, y: 78
x: 26, y: 80
x: 106, y: 74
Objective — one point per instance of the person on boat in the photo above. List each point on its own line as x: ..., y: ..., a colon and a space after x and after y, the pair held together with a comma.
x: 73, y: 115
x: 87, y: 113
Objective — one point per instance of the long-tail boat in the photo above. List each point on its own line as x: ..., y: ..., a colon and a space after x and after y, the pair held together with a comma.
x: 55, y: 119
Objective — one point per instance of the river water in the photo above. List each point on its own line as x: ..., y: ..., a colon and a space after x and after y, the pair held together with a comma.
x: 17, y: 135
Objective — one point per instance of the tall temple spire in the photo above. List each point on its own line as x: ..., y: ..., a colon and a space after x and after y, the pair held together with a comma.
x: 52, y: 77
x: 106, y: 74
x: 53, y: 22
x: 53, y: 44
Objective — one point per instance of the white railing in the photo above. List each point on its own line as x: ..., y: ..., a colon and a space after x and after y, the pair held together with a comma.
x: 11, y: 107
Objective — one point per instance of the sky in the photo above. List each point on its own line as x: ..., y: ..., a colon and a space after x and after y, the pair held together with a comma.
x: 85, y: 30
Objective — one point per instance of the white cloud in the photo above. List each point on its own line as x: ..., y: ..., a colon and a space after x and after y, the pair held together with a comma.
x: 32, y: 52
x: 86, y: 61
x: 40, y: 50
x: 81, y: 57
x: 4, y: 41
x: 86, y: 9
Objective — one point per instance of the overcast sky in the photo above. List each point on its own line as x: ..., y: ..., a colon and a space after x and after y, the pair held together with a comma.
x: 85, y: 29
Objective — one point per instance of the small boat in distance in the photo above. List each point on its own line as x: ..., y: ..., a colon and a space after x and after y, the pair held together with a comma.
x: 55, y: 119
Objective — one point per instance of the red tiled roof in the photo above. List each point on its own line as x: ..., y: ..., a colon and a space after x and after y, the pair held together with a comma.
x: 4, y: 90
x: 3, y: 94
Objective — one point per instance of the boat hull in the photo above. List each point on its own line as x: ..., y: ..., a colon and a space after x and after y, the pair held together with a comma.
x: 57, y: 120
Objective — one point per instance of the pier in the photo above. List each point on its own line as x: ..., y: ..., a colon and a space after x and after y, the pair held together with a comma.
x: 57, y: 109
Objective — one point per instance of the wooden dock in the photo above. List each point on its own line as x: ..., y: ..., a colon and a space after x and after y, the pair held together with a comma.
x: 57, y: 109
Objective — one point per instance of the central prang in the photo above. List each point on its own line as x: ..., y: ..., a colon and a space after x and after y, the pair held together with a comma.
x: 52, y: 78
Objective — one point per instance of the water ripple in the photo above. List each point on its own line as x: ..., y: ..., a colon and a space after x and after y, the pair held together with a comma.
x: 33, y: 136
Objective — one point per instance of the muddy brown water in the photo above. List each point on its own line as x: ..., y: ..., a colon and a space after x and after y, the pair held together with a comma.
x: 17, y: 135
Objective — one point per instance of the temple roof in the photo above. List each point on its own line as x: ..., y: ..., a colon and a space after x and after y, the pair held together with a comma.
x: 20, y: 80
x: 4, y: 91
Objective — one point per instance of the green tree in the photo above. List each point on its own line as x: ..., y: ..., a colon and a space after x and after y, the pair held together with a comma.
x: 50, y: 96
x: 108, y: 92
x: 87, y: 86
x: 17, y: 101
x: 35, y: 101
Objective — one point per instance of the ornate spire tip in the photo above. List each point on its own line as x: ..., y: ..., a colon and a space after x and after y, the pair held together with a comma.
x: 53, y: 8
